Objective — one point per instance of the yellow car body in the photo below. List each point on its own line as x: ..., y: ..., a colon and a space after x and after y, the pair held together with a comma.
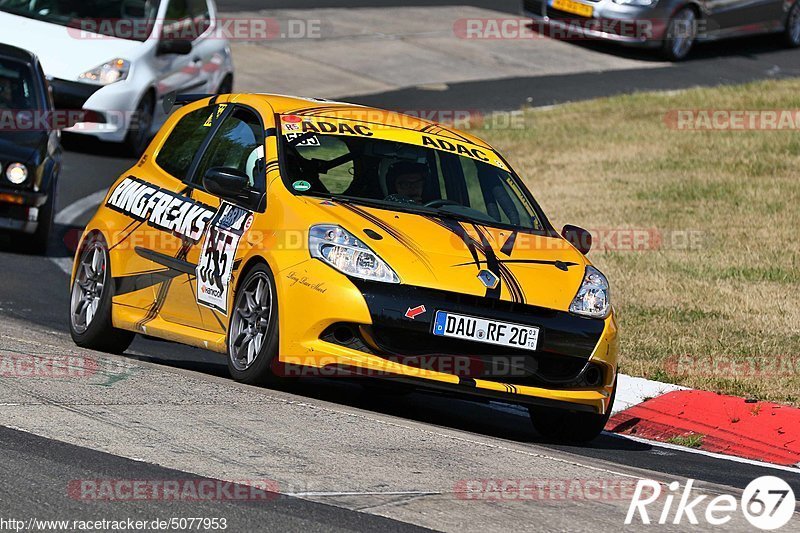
x: 331, y: 320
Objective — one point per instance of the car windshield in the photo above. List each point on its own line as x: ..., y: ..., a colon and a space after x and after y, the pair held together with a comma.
x: 429, y: 174
x: 16, y: 86
x: 124, y: 19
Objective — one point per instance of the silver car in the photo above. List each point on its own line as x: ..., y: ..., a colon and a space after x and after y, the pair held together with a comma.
x: 671, y: 25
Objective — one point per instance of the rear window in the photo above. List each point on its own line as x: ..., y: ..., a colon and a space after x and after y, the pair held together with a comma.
x: 183, y: 143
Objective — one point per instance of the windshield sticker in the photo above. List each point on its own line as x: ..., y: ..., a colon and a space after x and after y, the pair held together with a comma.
x: 301, y: 186
x: 215, y: 267
x: 311, y: 127
x: 305, y: 139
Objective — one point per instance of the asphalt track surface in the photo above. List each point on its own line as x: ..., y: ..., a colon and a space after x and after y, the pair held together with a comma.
x: 33, y: 291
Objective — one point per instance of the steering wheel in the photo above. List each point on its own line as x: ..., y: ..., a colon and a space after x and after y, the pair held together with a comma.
x: 440, y: 203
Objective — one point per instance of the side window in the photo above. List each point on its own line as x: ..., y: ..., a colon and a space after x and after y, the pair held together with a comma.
x: 201, y: 18
x: 178, y: 151
x: 238, y: 144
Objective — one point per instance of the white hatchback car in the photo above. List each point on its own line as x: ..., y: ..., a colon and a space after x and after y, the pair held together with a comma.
x: 117, y: 59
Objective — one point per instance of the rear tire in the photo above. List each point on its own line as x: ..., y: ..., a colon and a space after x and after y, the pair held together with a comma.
x: 253, y: 329
x: 570, y: 426
x: 680, y: 36
x: 791, y: 35
x: 90, y: 301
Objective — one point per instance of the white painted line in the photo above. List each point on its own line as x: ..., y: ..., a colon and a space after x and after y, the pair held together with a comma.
x: 63, y: 263
x: 69, y: 215
x: 72, y: 212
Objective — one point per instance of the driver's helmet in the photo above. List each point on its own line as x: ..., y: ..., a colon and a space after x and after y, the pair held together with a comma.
x: 408, y: 179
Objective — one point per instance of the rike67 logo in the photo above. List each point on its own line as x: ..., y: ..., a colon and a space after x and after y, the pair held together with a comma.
x: 768, y: 503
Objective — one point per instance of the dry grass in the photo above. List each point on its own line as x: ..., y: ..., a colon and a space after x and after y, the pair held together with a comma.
x: 734, y: 297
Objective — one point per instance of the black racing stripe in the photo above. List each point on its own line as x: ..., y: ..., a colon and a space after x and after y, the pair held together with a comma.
x: 402, y: 239
x: 491, y: 264
x: 137, y: 224
x: 561, y: 265
x: 163, y: 290
x: 141, y: 281
x: 461, y: 233
x: 508, y: 246
x: 168, y: 261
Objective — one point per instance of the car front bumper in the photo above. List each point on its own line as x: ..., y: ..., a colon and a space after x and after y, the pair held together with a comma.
x: 367, y: 334
x: 109, y: 108
x: 19, y: 210
x: 631, y: 25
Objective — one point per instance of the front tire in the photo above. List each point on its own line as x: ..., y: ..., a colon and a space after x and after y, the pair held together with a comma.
x: 680, y: 36
x: 570, y: 426
x: 791, y: 36
x: 90, y: 302
x: 253, y: 331
x: 138, y: 136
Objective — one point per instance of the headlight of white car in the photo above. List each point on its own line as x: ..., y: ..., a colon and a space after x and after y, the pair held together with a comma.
x: 344, y: 252
x: 593, y: 298
x: 107, y: 73
x: 17, y: 173
x: 638, y: 3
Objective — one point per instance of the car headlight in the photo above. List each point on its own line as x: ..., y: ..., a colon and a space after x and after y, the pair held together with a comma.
x: 637, y: 3
x: 109, y: 72
x: 344, y: 252
x: 593, y: 298
x: 17, y: 173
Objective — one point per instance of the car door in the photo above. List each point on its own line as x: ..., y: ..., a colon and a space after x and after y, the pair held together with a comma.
x: 181, y: 72
x: 236, y: 142
x: 733, y: 17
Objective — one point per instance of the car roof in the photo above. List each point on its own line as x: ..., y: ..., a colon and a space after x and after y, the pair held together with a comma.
x: 318, y: 107
x: 12, y: 52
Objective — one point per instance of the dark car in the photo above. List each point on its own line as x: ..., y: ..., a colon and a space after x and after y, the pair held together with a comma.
x: 30, y: 150
x: 671, y: 25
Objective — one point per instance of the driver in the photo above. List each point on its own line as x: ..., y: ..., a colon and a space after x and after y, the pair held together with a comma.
x: 407, y: 179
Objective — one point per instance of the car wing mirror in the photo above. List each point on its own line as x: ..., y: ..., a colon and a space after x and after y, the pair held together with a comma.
x: 227, y: 183
x: 174, y: 46
x: 578, y: 237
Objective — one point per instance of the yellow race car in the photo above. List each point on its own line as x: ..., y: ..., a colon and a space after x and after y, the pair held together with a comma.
x: 298, y: 235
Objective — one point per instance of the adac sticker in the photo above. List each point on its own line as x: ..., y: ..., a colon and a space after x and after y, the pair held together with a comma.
x: 301, y: 186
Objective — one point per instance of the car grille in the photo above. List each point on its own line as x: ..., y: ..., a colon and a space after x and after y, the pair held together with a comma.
x: 557, y: 14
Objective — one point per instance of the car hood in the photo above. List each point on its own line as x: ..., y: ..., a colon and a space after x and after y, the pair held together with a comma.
x: 21, y: 146
x: 64, y: 54
x: 441, y: 253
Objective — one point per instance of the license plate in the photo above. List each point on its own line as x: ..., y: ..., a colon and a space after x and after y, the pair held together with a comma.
x: 476, y: 329
x: 576, y: 8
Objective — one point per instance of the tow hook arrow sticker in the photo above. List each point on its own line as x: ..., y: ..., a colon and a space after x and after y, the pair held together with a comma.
x: 414, y: 312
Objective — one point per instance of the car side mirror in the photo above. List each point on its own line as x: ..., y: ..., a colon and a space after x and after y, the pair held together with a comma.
x: 227, y: 183
x: 174, y: 46
x: 578, y: 237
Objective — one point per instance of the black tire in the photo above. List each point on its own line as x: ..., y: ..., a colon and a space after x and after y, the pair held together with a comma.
x: 677, y: 42
x: 138, y: 136
x: 40, y: 239
x: 226, y: 85
x: 98, y: 333
x: 259, y: 371
x: 791, y: 35
x: 570, y: 426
